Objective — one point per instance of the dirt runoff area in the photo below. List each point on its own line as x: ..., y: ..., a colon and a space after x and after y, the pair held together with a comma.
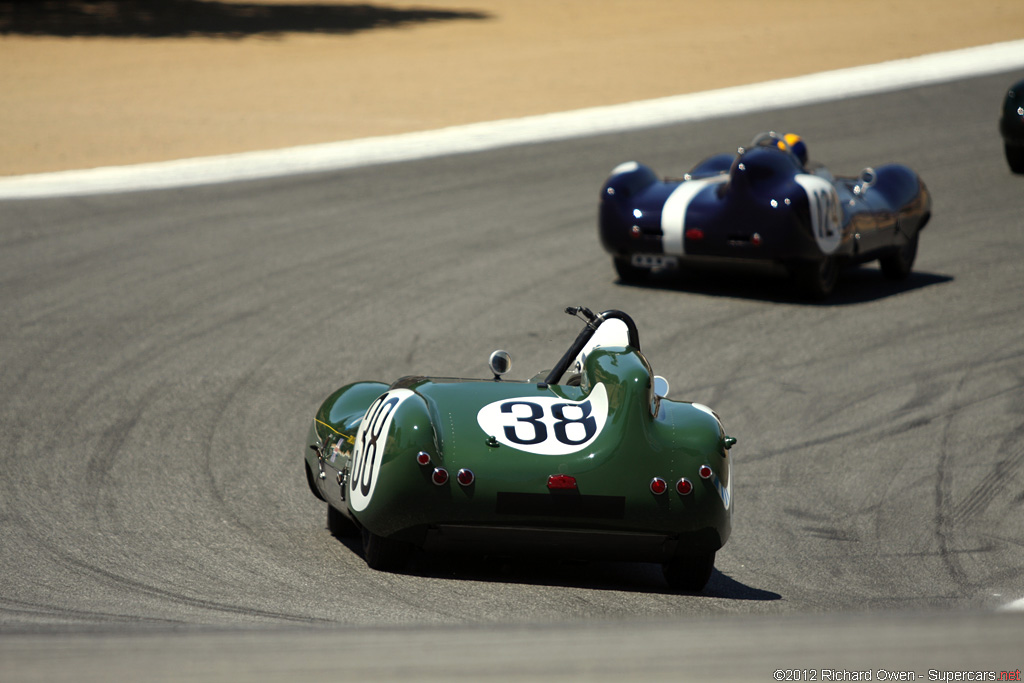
x: 113, y: 82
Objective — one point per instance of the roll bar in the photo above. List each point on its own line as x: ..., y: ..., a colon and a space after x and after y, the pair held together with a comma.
x: 592, y: 323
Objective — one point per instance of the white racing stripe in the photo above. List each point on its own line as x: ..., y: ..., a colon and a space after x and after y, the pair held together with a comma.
x: 673, y: 214
x: 829, y: 85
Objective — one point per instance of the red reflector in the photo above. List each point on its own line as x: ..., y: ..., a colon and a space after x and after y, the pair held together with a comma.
x: 423, y: 458
x: 465, y: 477
x: 683, y: 486
x: 440, y: 475
x: 658, y: 486
x: 694, y: 234
x: 704, y: 472
x: 561, y: 481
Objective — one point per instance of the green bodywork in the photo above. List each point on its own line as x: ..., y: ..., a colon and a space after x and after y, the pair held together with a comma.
x: 612, y: 512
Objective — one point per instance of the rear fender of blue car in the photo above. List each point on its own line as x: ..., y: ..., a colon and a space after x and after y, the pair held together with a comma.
x: 629, y: 214
x: 904, y: 191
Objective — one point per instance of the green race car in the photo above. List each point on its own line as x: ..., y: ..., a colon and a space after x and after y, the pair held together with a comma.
x: 589, y: 461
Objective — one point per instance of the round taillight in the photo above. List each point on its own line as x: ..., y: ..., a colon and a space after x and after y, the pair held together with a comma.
x: 658, y: 486
x: 423, y: 458
x: 705, y: 472
x: 440, y: 475
x: 562, y: 482
x: 634, y: 232
x: 465, y: 477
x: 683, y: 486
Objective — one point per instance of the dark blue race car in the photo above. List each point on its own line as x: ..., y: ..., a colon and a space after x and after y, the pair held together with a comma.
x: 1011, y: 125
x: 764, y: 203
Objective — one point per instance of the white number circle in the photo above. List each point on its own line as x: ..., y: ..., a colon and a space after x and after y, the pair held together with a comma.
x: 546, y: 425
x: 368, y: 449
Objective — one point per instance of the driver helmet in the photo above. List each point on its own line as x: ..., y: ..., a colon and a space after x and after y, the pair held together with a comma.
x: 796, y: 146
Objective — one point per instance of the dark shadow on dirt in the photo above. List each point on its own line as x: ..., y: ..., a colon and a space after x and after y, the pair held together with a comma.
x: 198, y: 18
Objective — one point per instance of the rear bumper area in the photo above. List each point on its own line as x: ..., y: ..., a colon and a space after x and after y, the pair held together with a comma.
x: 584, y: 544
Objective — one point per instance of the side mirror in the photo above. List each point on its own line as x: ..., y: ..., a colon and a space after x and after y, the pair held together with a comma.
x: 500, y: 363
x: 660, y: 386
x: 867, y: 178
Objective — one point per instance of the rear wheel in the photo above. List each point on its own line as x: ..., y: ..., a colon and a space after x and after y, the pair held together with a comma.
x: 385, y: 554
x: 898, y: 264
x: 628, y: 273
x: 689, y: 574
x: 340, y: 525
x: 1015, y: 157
x: 817, y: 278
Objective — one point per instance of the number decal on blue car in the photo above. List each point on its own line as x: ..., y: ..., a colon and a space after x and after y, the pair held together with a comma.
x: 546, y: 425
x: 368, y: 450
x: 823, y: 201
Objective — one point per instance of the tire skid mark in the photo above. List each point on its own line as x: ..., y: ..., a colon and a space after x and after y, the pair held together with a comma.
x: 989, y: 489
x: 1004, y: 472
x: 153, y: 591
x: 943, y: 493
x: 953, y: 512
x: 42, y: 612
x: 208, y: 440
x: 109, y: 448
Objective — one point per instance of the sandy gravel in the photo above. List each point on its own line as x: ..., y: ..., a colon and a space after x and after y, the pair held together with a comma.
x: 84, y: 86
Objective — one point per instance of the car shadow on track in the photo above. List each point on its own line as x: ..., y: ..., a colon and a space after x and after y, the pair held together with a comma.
x: 593, y: 575
x: 857, y: 285
x: 636, y: 577
x: 182, y: 18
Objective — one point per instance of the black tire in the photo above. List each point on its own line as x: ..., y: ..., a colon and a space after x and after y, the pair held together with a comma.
x: 628, y: 273
x: 898, y: 264
x: 339, y: 525
x: 817, y: 278
x: 385, y: 554
x: 1015, y: 157
x: 689, y: 574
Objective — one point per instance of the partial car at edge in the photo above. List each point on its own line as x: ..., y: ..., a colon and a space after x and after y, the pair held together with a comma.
x: 1011, y: 126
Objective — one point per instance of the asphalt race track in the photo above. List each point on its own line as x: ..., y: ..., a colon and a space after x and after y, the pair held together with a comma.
x: 163, y: 352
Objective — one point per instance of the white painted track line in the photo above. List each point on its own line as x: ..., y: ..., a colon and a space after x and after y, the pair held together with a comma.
x: 801, y: 90
x: 1015, y: 606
